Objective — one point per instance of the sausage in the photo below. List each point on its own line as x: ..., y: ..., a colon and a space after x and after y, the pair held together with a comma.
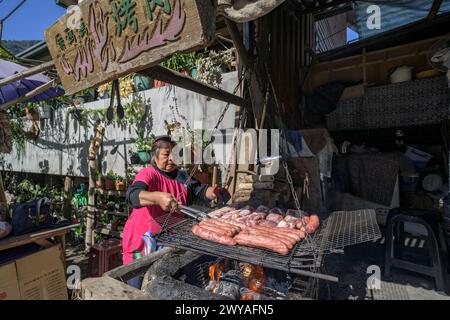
x: 287, y: 241
x: 261, y: 242
x: 214, y: 228
x: 301, y: 225
x: 235, y: 223
x: 212, y: 236
x: 282, y: 232
x: 223, y: 224
x: 293, y: 231
x: 314, y: 223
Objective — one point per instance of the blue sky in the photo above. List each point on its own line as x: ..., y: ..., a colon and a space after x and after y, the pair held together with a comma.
x: 30, y: 21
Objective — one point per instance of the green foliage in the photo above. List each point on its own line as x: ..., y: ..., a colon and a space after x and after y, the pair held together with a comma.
x: 27, y: 190
x: 111, y: 175
x: 143, y: 143
x: 135, y: 110
x: 181, y: 61
x: 18, y: 137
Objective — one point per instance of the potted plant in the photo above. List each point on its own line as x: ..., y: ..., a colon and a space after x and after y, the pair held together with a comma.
x: 120, y: 185
x: 110, y: 180
x: 99, y: 180
x: 144, y: 146
x: 142, y: 82
x: 134, y: 157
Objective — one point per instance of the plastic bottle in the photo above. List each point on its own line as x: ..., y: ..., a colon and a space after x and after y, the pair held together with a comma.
x: 137, y: 255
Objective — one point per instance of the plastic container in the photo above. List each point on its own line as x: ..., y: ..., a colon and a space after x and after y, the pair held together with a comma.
x: 410, y: 182
x: 418, y: 157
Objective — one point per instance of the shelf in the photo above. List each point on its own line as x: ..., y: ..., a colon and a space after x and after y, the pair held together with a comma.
x: 113, y: 213
x: 108, y: 232
x: 113, y: 193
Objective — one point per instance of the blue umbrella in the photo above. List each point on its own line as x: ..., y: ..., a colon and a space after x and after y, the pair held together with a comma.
x: 19, y: 88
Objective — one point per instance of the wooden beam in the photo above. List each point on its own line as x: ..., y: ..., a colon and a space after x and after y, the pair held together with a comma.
x: 434, y: 9
x: 27, y: 73
x: 29, y: 95
x: 238, y: 43
x: 182, y: 81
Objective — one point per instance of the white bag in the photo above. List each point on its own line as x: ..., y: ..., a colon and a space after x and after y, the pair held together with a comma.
x: 5, y: 229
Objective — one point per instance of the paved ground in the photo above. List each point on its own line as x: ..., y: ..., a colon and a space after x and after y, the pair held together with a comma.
x: 351, y: 268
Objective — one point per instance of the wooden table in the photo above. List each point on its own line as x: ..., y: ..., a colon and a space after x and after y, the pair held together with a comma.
x: 40, y: 237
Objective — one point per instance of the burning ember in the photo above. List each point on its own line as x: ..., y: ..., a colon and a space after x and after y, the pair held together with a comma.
x: 243, y: 281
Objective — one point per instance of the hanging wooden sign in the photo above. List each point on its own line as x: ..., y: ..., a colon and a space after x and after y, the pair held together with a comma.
x: 102, y: 40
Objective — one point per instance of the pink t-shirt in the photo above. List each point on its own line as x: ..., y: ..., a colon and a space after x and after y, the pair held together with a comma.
x: 142, y: 220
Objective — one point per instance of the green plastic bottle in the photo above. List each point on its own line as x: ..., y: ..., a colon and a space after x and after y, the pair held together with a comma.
x: 137, y: 255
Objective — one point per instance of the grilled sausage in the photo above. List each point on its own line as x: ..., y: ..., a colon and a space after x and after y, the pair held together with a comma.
x: 214, y: 228
x: 313, y: 224
x: 213, y: 236
x: 222, y: 223
x: 281, y: 231
x: 261, y: 242
x: 289, y: 243
x: 230, y: 228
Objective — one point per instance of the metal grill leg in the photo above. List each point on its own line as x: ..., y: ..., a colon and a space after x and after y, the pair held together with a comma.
x: 390, y: 247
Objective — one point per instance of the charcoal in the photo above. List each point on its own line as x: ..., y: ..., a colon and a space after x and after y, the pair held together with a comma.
x: 228, y: 289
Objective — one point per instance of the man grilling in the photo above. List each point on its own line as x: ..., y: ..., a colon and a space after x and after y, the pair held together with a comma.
x: 155, y: 191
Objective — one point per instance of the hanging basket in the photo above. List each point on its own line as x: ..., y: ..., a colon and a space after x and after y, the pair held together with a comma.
x: 144, y: 156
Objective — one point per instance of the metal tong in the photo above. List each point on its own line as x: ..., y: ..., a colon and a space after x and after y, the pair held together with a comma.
x: 193, y: 213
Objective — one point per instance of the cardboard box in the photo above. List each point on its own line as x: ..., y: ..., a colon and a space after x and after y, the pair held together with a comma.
x: 39, y: 276
x: 9, y: 285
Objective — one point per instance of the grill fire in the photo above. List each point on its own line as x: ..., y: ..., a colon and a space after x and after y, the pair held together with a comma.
x: 185, y: 275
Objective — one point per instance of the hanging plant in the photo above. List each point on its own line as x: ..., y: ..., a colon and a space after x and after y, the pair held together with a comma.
x: 126, y: 87
x: 181, y: 62
x: 18, y: 136
x: 211, y: 67
x: 135, y: 110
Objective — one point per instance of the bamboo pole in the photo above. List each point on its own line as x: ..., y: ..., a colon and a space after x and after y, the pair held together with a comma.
x: 90, y: 218
x: 28, y: 95
x: 27, y: 73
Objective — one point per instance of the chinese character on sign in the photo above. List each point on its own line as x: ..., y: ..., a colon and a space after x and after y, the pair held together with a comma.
x: 60, y: 42
x: 70, y: 36
x: 124, y: 15
x: 151, y: 5
x: 82, y: 31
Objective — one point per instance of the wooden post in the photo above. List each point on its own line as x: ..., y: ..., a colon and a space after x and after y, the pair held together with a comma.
x: 67, y: 205
x: 237, y: 40
x: 90, y: 219
x: 214, y: 176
